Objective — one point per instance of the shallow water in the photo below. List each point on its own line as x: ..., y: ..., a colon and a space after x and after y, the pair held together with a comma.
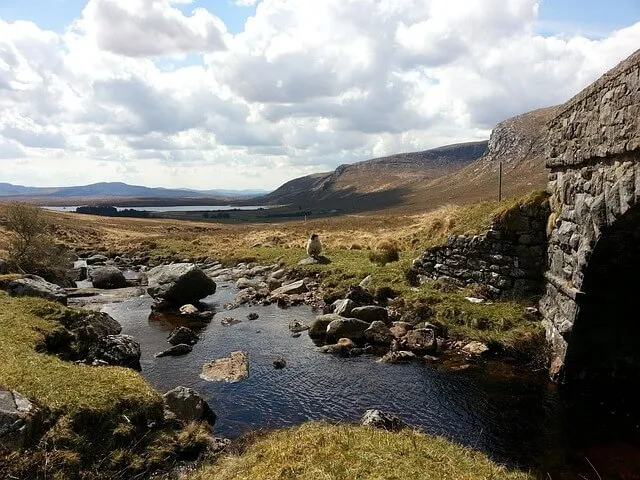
x: 517, y: 418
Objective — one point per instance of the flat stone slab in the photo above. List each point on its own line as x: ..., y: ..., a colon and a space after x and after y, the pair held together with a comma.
x: 231, y: 370
x: 321, y: 260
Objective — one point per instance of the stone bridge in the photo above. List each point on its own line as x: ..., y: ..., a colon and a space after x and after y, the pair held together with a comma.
x: 591, y: 303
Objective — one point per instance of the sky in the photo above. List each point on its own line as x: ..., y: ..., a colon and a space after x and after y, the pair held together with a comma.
x: 252, y: 93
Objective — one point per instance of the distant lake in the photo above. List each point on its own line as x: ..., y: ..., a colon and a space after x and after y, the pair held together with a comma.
x: 184, y: 208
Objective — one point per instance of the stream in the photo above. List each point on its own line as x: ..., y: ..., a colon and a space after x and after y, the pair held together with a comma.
x: 518, y: 418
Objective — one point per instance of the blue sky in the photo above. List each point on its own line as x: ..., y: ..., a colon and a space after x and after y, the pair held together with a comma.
x: 591, y: 18
x: 57, y: 14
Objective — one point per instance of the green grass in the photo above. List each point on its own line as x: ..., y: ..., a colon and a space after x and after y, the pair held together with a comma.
x: 98, y: 420
x: 316, y: 451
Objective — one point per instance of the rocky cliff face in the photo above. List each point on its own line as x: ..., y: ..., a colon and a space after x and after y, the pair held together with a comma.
x: 519, y: 140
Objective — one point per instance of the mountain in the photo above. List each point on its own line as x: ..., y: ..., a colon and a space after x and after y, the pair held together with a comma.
x: 376, y: 183
x: 519, y: 143
x: 461, y: 173
x: 109, y: 190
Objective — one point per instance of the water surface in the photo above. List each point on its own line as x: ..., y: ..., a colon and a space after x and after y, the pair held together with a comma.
x: 518, y: 418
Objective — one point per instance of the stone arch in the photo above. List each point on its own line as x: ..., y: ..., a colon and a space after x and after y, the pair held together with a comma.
x: 603, y: 348
x: 587, y: 201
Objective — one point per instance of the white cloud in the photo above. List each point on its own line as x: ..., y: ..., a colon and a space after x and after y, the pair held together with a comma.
x: 139, y: 28
x: 138, y: 91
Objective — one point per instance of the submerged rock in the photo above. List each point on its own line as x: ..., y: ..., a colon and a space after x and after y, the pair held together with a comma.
x: 35, y: 286
x: 119, y: 350
x: 232, y: 370
x: 107, y: 278
x: 183, y: 335
x: 253, y: 316
x: 296, y: 326
x: 381, y: 420
x: 175, y: 351
x: 179, y: 283
x: 279, y: 363
x: 398, y: 357
x: 186, y: 405
x: 228, y: 321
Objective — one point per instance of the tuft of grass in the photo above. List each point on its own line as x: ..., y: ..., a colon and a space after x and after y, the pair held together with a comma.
x: 385, y: 252
x: 341, y: 452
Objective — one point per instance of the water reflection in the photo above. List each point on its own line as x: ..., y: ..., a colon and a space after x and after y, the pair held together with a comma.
x: 516, y: 417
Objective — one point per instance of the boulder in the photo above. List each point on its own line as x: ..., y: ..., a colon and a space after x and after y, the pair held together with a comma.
x: 381, y: 420
x: 243, y: 283
x: 34, y: 286
x: 231, y: 370
x: 398, y: 357
x: 175, y: 351
x: 351, y: 328
x: 186, y: 405
x: 400, y: 329
x: 318, y: 327
x: 344, y: 307
x: 107, y: 278
x: 371, y: 313
x: 101, y: 323
x: 252, y: 316
x: 96, y: 259
x: 119, y: 350
x: 341, y: 347
x: 475, y: 349
x: 273, y: 284
x: 191, y: 312
x: 18, y: 421
x: 359, y: 296
x: 421, y: 341
x: 291, y: 289
x: 296, y: 326
x: 179, y: 284
x: 188, y: 309
x: 378, y: 334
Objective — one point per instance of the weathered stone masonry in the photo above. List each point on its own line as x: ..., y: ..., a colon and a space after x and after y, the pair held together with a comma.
x: 594, y: 157
x: 509, y: 259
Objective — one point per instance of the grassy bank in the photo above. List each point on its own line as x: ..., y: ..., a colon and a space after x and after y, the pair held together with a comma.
x: 95, y: 422
x: 339, y: 452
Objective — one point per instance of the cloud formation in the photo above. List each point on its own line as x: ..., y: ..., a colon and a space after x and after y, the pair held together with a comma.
x: 159, y: 93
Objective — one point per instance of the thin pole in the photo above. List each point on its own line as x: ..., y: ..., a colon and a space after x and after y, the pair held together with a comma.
x: 500, y: 184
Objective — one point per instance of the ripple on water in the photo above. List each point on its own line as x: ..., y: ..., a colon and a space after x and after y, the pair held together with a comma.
x: 512, y: 418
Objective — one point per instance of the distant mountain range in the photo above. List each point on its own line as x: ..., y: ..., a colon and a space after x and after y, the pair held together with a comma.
x: 105, y: 190
x: 376, y: 183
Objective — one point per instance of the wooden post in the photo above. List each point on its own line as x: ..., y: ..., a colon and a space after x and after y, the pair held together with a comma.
x: 500, y: 184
